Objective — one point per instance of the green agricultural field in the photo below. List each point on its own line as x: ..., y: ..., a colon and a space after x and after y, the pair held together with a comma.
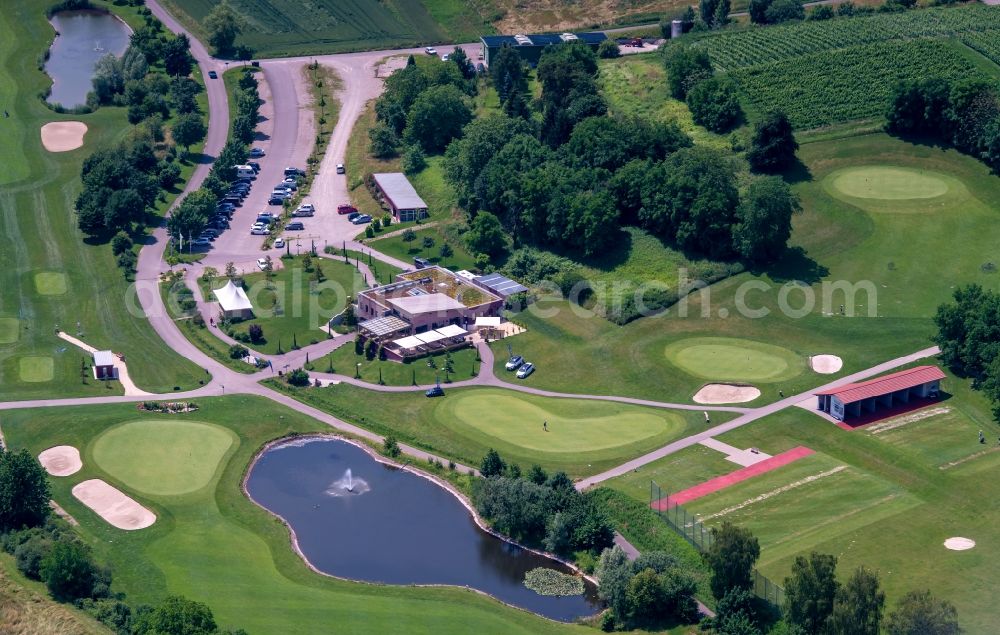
x: 213, y: 545
x: 831, y: 87
x: 731, y: 50
x: 51, y: 277
x: 283, y: 28
x: 827, y: 72
x: 345, y: 362
x: 292, y: 308
x: 585, y: 437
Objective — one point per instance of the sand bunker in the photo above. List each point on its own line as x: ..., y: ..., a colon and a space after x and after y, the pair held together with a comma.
x: 959, y: 544
x: 826, y: 364
x: 63, y: 136
x: 61, y: 460
x: 725, y: 393
x: 113, y: 505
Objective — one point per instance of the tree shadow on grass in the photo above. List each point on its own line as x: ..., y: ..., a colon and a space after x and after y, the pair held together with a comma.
x: 798, y: 172
x: 795, y: 264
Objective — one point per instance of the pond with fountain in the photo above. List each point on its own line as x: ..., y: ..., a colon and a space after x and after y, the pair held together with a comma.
x: 83, y: 38
x: 358, y: 518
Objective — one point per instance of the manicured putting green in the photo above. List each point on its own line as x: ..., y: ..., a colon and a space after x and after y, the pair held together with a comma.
x: 889, y: 183
x: 163, y: 457
x: 36, y: 368
x: 10, y: 330
x: 573, y: 425
x: 733, y: 359
x: 50, y: 283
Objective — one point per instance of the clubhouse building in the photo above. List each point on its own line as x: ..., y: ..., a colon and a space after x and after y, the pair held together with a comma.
x: 851, y: 401
x: 423, y: 311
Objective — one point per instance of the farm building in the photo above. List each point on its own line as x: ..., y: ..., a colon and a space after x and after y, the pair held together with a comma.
x: 399, y: 196
x: 530, y: 47
x: 104, y: 365
x: 234, y: 302
x: 896, y: 389
x: 421, y: 301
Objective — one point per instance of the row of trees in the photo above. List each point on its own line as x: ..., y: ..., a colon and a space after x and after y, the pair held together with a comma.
x: 969, y: 338
x: 45, y: 548
x: 539, y: 509
x: 189, y: 218
x: 965, y: 114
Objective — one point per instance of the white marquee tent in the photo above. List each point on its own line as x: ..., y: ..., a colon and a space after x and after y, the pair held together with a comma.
x: 234, y: 301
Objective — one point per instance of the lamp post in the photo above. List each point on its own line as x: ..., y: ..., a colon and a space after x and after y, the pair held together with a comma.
x: 357, y: 371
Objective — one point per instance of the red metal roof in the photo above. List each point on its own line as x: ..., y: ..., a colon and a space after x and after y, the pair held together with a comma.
x: 849, y: 393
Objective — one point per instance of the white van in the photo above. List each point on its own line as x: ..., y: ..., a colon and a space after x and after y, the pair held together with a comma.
x: 244, y: 172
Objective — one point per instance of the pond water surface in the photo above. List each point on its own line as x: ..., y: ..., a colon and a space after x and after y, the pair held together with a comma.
x: 388, y: 525
x: 84, y: 37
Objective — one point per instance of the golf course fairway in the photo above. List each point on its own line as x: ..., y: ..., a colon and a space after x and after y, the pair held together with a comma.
x: 571, y: 425
x: 163, y: 457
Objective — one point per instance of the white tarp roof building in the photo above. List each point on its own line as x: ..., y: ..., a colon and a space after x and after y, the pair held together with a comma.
x: 452, y: 330
x: 408, y: 342
x: 485, y: 321
x: 233, y: 298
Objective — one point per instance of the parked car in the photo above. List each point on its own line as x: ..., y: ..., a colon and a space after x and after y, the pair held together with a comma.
x: 340, y: 168
x: 255, y: 166
x: 353, y: 215
x: 361, y: 219
x: 294, y: 172
x: 295, y: 226
x: 262, y: 263
x: 275, y: 200
x: 436, y: 391
x: 445, y: 57
x: 259, y: 229
x: 201, y: 242
x: 430, y: 50
x: 290, y: 184
x: 344, y: 208
x: 213, y: 75
x: 266, y: 218
x: 514, y: 362
x: 279, y: 244
x: 525, y: 370
x: 305, y: 210
x: 233, y: 200
x: 256, y: 153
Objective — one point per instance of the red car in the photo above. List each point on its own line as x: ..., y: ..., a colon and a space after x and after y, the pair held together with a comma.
x: 346, y: 209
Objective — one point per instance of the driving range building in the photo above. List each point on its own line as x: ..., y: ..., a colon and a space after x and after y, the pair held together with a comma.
x: 896, y: 389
